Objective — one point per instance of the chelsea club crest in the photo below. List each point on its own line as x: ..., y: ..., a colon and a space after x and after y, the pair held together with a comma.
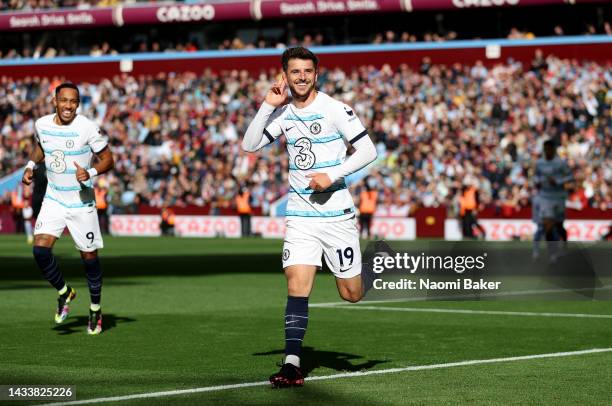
x: 315, y: 128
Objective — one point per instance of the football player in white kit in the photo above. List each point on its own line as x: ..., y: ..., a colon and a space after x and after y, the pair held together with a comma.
x: 66, y: 142
x: 320, y: 211
x: 552, y: 178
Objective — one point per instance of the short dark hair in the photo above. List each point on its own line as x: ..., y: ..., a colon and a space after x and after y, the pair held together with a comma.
x: 298, y: 53
x: 549, y: 143
x: 67, y: 85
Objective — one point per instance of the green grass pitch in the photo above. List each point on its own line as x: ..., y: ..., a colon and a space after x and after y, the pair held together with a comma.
x: 195, y: 313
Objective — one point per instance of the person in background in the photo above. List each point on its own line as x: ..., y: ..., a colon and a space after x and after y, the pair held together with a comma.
x: 101, y: 192
x: 17, y: 204
x: 468, y: 206
x: 243, y: 206
x: 367, y: 206
x: 167, y: 220
x: 28, y: 213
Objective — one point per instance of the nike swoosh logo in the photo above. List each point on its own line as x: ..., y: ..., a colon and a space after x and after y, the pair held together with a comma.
x: 287, y: 129
x: 292, y: 321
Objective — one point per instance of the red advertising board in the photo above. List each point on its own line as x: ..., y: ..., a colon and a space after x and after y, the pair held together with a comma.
x: 304, y: 8
x: 229, y: 226
x: 418, y: 5
x: 179, y: 13
x: 45, y: 20
x: 185, y: 13
x: 509, y: 229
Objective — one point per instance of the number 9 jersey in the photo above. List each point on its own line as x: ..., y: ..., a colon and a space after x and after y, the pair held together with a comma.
x: 317, y: 137
x: 67, y: 201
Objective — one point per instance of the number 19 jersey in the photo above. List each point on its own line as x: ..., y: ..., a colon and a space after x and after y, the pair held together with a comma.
x: 317, y: 137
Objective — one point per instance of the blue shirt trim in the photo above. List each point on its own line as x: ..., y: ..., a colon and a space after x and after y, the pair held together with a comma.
x: 293, y: 117
x: 59, y: 133
x: 67, y: 188
x: 78, y: 152
x: 321, y: 140
x: 68, y: 171
x: 71, y: 206
x: 332, y: 213
x: 324, y: 164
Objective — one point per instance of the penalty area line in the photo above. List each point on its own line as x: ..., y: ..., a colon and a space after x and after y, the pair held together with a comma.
x: 335, y: 376
x: 469, y: 311
x: 467, y: 296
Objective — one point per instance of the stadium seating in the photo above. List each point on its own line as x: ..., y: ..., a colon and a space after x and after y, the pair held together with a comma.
x: 176, y: 136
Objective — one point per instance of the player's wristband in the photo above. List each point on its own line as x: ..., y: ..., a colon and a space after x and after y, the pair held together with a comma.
x: 30, y: 165
x: 92, y: 172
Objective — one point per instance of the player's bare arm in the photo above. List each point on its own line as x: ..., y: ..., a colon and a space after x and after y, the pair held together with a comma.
x: 36, y: 157
x: 105, y: 164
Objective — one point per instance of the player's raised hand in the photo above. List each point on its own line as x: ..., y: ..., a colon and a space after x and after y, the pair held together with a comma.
x: 28, y: 176
x: 81, y: 174
x: 319, y: 181
x: 277, y: 95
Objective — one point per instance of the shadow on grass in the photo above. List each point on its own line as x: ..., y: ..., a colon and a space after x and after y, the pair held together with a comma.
x: 16, y: 268
x: 44, y: 285
x: 79, y: 324
x: 312, y: 359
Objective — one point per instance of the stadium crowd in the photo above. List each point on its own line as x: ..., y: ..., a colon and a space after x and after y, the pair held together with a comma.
x: 176, y: 137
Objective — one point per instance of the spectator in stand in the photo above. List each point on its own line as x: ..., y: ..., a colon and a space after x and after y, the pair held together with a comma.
x: 175, y: 135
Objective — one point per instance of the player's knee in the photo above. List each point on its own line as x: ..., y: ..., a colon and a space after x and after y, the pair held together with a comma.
x: 43, y: 240
x: 351, y: 296
x: 88, y: 256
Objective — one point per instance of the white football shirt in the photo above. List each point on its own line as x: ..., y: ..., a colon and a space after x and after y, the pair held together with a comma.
x: 64, y: 145
x: 317, y: 137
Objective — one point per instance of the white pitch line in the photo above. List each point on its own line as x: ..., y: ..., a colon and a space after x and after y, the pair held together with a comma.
x: 467, y: 296
x: 335, y: 376
x: 468, y: 311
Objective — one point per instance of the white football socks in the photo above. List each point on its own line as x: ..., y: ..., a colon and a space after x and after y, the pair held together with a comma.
x: 292, y: 359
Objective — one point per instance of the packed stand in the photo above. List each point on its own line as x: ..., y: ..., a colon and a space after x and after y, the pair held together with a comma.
x: 176, y: 137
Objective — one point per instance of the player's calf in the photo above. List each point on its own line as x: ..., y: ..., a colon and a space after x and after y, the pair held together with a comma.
x: 47, y: 264
x: 93, y: 271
